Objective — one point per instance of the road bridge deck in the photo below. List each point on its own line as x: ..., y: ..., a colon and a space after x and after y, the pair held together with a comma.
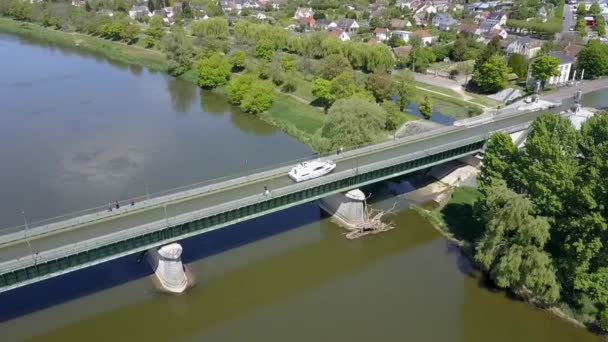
x: 248, y: 186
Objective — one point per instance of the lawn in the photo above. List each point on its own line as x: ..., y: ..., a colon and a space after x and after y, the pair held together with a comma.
x: 287, y: 111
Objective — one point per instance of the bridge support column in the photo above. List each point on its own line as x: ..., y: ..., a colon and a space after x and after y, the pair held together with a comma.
x: 348, y: 208
x: 167, y: 264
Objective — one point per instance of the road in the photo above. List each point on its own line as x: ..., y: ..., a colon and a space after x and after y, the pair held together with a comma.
x: 237, y: 192
x: 568, y: 19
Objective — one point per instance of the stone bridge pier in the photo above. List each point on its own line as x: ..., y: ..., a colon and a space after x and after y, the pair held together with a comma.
x: 347, y: 208
x: 167, y: 264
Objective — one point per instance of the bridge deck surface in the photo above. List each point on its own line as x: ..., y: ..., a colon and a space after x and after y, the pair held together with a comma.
x: 156, y: 214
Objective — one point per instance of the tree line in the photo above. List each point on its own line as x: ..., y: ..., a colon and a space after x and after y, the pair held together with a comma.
x: 544, y: 214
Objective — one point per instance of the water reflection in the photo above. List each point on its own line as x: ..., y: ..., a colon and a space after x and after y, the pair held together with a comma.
x: 183, y: 94
x: 245, y: 124
x: 213, y: 103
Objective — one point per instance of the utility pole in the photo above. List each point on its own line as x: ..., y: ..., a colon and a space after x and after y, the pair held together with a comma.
x: 27, y: 238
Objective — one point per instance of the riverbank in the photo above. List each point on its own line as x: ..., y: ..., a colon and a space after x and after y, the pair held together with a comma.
x: 455, y: 222
x: 295, y: 118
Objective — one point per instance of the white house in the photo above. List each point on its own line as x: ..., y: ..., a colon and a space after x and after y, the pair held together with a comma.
x: 525, y: 46
x: 340, y: 34
x: 139, y: 11
x: 403, y: 35
x: 424, y: 36
x: 381, y: 34
x: 303, y: 12
x: 348, y: 25
x: 565, y: 66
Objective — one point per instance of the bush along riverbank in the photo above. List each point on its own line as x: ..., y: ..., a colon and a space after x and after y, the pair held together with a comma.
x: 536, y: 224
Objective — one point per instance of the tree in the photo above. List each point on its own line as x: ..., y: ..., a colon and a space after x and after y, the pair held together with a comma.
x: 394, y: 116
x: 264, y: 50
x: 179, y: 51
x: 378, y: 58
x: 381, y: 86
x: 343, y: 86
x: 130, y: 33
x: 581, y: 26
x: 518, y: 65
x: 406, y: 90
x: 213, y: 71
x: 259, y: 98
x: 492, y: 49
x: 548, y: 165
x: 459, y: 50
x: 333, y: 65
x: 238, y: 60
x: 395, y: 41
x: 155, y: 32
x: 426, y: 108
x: 492, y: 76
x: 238, y: 87
x: 593, y: 58
x: 581, y: 10
x: 595, y: 9
x: 600, y: 25
x: 545, y: 67
x: 466, y: 69
x: 422, y: 58
x: 512, y: 246
x: 498, y: 161
x: 289, y: 62
x: 376, y: 22
x: 352, y: 122
x: 214, y: 28
x: 320, y: 89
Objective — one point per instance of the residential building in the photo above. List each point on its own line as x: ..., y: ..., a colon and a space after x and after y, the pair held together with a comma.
x: 403, y: 35
x: 525, y: 46
x: 565, y: 66
x: 381, y: 34
x: 420, y: 19
x: 486, y: 27
x: 303, y: 12
x: 497, y: 18
x: 400, y: 23
x: 307, y: 22
x: 323, y: 24
x: 424, y: 36
x: 139, y: 12
x: 348, y: 25
x: 402, y: 51
x: 339, y: 34
x: 444, y: 21
x: 472, y: 29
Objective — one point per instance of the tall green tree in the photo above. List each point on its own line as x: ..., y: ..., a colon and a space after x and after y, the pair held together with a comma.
x: 352, y: 122
x: 493, y: 75
x: 264, y: 50
x: 332, y: 66
x: 498, y: 162
x: 179, y: 51
x: 239, y: 87
x: 406, y: 90
x: 518, y: 65
x: 492, y: 49
x: 238, y: 60
x: 512, y: 246
x: 259, y: 98
x: 600, y: 25
x: 581, y: 10
x: 593, y: 58
x: 213, y: 71
x: 548, y: 165
x: 545, y: 67
x: 426, y: 107
x: 581, y: 26
x: 381, y: 85
x: 215, y: 28
x: 595, y: 9
x: 155, y: 32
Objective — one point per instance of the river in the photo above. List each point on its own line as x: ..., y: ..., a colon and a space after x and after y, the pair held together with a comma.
x: 79, y: 131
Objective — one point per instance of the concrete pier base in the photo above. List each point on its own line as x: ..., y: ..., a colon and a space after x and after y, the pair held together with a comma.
x: 347, y: 208
x: 167, y: 264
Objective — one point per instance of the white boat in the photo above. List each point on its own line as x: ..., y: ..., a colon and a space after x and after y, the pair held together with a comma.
x: 311, y: 169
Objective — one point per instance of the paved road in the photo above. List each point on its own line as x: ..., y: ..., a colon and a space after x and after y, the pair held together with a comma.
x: 278, y: 181
x: 568, y: 19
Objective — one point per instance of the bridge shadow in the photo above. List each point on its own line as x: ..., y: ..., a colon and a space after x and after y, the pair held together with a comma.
x: 74, y: 285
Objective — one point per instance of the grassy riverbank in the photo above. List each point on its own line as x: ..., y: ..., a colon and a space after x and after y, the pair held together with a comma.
x: 456, y: 223
x: 293, y: 117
